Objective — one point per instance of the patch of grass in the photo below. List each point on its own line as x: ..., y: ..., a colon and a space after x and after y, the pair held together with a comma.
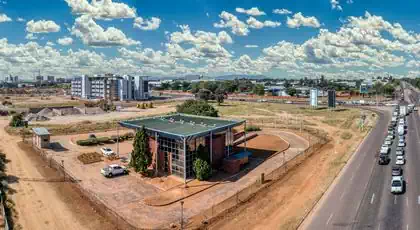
x: 346, y: 136
x: 332, y: 122
x: 89, y: 158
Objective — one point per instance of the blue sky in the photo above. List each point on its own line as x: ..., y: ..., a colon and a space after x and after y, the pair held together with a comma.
x: 175, y: 38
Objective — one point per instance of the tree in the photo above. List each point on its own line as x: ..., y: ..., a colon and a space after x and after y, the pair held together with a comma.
x: 291, y: 91
x: 259, y: 90
x: 220, y: 95
x: 204, y: 94
x: 141, y: 158
x: 185, y: 86
x: 165, y: 85
x: 202, y: 169
x: 197, y: 107
x: 389, y: 89
x: 176, y: 85
x: 378, y: 87
x: 17, y: 120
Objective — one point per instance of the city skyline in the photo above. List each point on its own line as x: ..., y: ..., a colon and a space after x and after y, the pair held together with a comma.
x: 277, y: 39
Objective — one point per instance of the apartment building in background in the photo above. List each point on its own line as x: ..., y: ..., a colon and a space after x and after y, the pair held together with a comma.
x: 110, y: 87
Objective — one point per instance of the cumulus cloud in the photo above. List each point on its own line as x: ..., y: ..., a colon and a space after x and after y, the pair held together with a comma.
x: 4, y: 18
x: 65, y: 41
x: 93, y: 34
x: 20, y: 20
x: 255, y: 24
x: 31, y: 36
x: 299, y: 20
x: 42, y: 26
x: 251, y: 46
x: 229, y: 20
x: 282, y: 11
x: 49, y: 43
x: 152, y: 24
x: 335, y: 5
x: 105, y: 9
x: 254, y: 11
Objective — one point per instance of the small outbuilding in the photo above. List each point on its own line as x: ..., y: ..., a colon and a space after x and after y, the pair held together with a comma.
x: 41, y: 137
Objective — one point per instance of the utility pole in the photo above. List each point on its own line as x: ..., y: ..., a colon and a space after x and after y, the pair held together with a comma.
x: 182, y: 215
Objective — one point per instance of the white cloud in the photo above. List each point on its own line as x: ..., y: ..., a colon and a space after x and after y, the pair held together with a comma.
x: 349, y: 1
x: 50, y: 43
x: 42, y: 26
x: 335, y: 5
x: 299, y: 20
x: 254, y: 11
x: 4, y: 18
x: 105, y: 9
x: 20, y: 20
x: 152, y: 24
x: 31, y: 36
x: 282, y: 11
x: 92, y: 34
x: 229, y: 20
x: 65, y: 41
x: 207, y: 14
x: 255, y: 24
x: 251, y: 46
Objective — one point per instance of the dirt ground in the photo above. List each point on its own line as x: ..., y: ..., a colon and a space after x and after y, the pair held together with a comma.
x: 42, y: 204
x: 286, y: 202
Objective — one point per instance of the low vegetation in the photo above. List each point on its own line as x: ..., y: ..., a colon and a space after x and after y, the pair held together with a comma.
x: 202, y: 169
x: 252, y: 128
x: 346, y: 136
x: 141, y: 157
x: 104, y: 140
x: 17, y: 121
x: 89, y: 158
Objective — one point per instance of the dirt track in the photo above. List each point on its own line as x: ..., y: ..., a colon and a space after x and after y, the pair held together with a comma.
x: 40, y: 204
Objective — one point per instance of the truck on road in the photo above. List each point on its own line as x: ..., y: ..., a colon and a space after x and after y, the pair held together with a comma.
x: 403, y: 110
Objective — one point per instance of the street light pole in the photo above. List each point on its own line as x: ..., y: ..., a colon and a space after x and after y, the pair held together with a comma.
x: 118, y: 141
x: 182, y: 215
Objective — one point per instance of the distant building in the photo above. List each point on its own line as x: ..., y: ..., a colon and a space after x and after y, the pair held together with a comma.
x: 50, y: 78
x: 110, y: 87
x: 39, y: 78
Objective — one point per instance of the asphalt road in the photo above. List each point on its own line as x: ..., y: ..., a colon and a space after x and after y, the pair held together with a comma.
x: 360, y: 198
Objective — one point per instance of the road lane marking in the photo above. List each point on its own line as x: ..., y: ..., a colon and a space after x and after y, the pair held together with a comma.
x: 379, y: 226
x: 395, y: 199
x: 373, y: 197
x: 342, y: 195
x: 352, y: 176
x: 407, y: 226
x: 406, y: 201
x: 329, y: 219
x: 418, y: 200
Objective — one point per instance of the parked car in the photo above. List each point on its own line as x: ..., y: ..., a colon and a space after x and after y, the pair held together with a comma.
x: 107, y: 151
x: 396, y: 171
x: 397, y: 184
x: 399, y: 152
x: 400, y: 160
x: 401, y: 143
x: 113, y: 170
x: 388, y: 142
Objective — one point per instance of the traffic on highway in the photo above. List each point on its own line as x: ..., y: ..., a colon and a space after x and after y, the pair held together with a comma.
x: 378, y: 188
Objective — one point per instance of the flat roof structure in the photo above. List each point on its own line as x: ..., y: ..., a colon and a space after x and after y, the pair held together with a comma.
x: 40, y: 131
x: 182, y: 126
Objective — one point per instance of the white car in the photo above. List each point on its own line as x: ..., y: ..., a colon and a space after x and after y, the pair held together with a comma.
x: 397, y: 184
x: 113, y: 170
x: 384, y: 150
x: 107, y: 151
x: 401, y: 143
x: 388, y: 142
x: 389, y: 137
x: 399, y: 152
x: 399, y: 160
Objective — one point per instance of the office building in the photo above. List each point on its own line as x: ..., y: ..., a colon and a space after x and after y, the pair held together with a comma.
x: 110, y: 87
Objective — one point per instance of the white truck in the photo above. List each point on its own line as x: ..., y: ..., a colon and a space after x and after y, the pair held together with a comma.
x: 401, y: 130
x: 403, y: 110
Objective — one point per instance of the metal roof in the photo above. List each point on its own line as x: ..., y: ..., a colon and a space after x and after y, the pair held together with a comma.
x: 40, y: 131
x: 182, y: 125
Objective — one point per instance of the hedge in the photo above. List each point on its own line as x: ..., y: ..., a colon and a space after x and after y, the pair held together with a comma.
x: 104, y: 140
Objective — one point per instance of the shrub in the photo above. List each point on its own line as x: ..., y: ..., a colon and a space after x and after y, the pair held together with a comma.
x: 87, y: 142
x: 17, y: 121
x: 89, y: 158
x: 102, y: 140
x: 202, y: 169
x: 252, y: 128
x: 346, y: 136
x: 150, y: 104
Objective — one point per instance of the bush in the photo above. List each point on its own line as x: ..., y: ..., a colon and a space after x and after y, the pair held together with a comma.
x: 102, y: 140
x: 87, y: 142
x: 202, y: 169
x: 89, y: 158
x: 17, y: 121
x: 252, y: 128
x: 346, y: 136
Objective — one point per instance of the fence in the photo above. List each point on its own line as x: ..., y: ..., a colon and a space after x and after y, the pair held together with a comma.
x: 224, y: 208
x: 99, y: 205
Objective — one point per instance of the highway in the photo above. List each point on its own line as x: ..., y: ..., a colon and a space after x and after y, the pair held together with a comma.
x: 360, y: 197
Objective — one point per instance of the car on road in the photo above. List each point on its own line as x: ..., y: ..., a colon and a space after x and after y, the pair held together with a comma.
x: 396, y: 171
x: 289, y: 102
x: 401, y: 143
x: 389, y: 137
x: 388, y: 142
x: 400, y: 160
x: 399, y: 152
x: 113, y: 170
x: 384, y: 150
x: 397, y: 184
x: 383, y: 159
x: 416, y: 109
x: 107, y: 151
